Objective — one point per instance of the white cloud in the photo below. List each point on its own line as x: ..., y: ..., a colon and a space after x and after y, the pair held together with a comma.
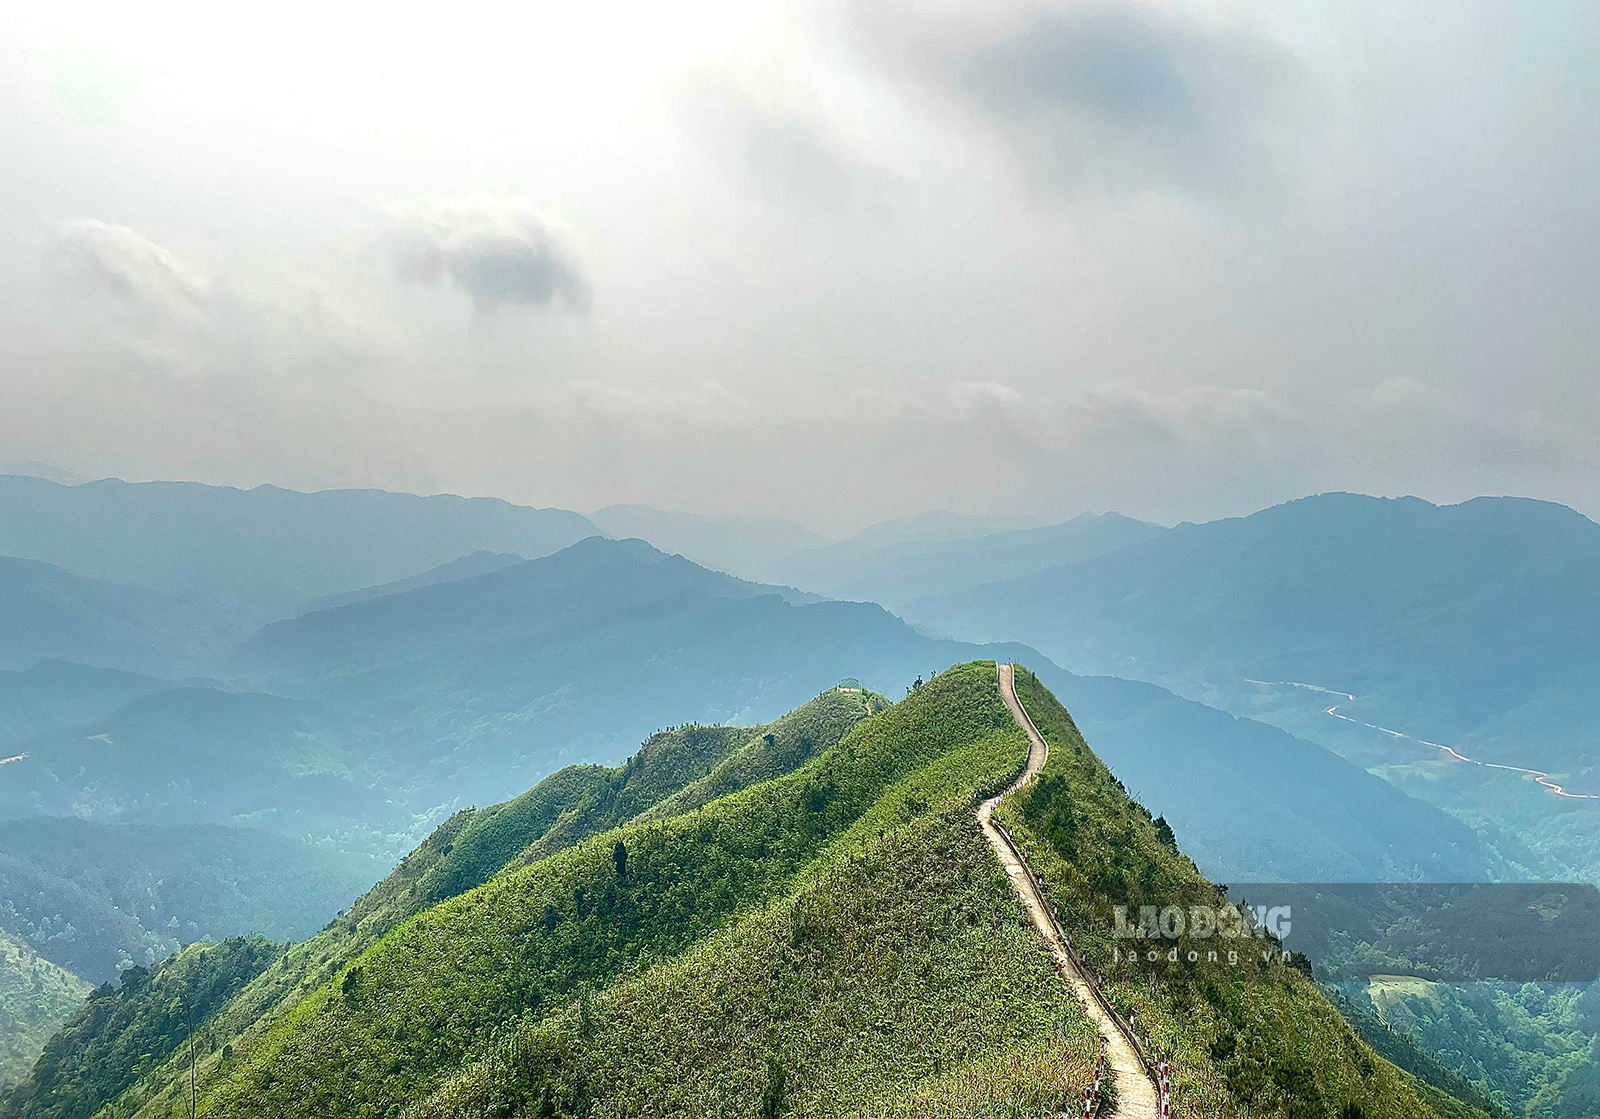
x: 117, y: 261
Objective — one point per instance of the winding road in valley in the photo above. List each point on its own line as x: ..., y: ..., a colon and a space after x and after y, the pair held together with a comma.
x: 1137, y: 1097
x: 1538, y: 775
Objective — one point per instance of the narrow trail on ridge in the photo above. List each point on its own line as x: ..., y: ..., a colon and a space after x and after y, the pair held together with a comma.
x: 1137, y: 1096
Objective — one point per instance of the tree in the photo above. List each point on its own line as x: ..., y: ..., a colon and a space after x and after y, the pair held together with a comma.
x: 772, y: 1097
x: 619, y: 855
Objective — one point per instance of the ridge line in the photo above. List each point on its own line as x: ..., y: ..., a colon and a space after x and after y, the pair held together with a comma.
x: 1138, y: 1081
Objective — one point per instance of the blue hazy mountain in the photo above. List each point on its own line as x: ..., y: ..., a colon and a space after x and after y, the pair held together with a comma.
x: 53, y: 695
x: 263, y: 553
x: 49, y: 613
x: 1475, y: 623
x: 98, y: 898
x: 579, y: 655
x: 467, y: 567
x: 901, y: 562
x: 742, y: 545
x: 1251, y: 802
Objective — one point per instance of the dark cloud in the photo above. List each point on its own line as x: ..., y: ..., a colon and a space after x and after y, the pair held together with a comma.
x: 1120, y: 97
x: 498, y: 251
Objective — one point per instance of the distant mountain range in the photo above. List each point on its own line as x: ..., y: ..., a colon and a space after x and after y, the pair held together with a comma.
x: 1472, y: 624
x: 253, y: 556
x: 355, y: 721
x: 228, y: 733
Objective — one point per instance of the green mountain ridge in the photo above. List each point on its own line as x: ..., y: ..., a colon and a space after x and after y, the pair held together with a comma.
x: 475, y: 844
x: 835, y: 939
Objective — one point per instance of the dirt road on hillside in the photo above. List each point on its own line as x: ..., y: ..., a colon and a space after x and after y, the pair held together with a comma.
x: 1136, y: 1091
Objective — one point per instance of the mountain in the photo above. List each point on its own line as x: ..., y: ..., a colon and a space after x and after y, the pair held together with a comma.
x: 49, y: 613
x: 413, y: 703
x: 689, y: 766
x: 1476, y: 625
x: 938, y: 525
x: 488, y: 682
x: 1311, y: 815
x: 261, y: 554
x: 900, y: 567
x: 119, y: 1031
x: 741, y: 545
x: 97, y: 899
x: 36, y: 997
x: 199, y: 754
x: 53, y: 695
x: 837, y: 939
x: 467, y: 567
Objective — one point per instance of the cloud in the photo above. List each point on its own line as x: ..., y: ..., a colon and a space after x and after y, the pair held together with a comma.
x: 795, y: 155
x: 140, y: 274
x: 1122, y: 97
x: 498, y: 251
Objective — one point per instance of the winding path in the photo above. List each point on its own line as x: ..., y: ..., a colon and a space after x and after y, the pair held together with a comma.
x: 1136, y: 1088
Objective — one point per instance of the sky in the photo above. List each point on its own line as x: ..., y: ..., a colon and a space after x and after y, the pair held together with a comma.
x: 835, y: 261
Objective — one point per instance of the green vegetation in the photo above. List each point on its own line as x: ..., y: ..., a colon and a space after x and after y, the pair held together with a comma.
x: 423, y: 1000
x: 100, y: 898
x: 1254, y: 1039
x: 123, y: 1032
x: 897, y: 980
x: 473, y: 845
x: 1521, y: 1041
x: 36, y: 996
x: 833, y: 940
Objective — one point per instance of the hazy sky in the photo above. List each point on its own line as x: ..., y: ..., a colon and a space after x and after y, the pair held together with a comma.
x: 834, y: 261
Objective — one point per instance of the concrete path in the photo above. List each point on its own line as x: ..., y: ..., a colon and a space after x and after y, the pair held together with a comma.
x: 1136, y: 1091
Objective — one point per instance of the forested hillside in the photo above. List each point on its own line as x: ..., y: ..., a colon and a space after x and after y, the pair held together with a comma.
x: 123, y: 1032
x: 98, y: 899
x: 36, y: 997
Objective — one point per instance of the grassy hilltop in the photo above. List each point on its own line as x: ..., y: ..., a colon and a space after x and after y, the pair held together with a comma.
x: 799, y: 919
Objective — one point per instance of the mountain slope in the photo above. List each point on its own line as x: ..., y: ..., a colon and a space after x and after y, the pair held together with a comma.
x: 410, y: 1009
x: 54, y: 695
x: 261, y: 554
x: 1476, y: 623
x: 472, y: 846
x: 835, y: 941
x: 36, y: 997
x: 97, y: 899
x: 489, y: 683
x: 741, y: 545
x: 204, y: 755
x: 120, y: 1032
x: 48, y: 613
x: 1253, y: 1037
x: 897, y: 569
x: 1313, y: 817
x: 467, y: 567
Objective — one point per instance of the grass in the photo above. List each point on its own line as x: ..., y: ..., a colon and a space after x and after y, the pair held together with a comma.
x: 421, y: 1001
x: 1257, y: 1040
x: 471, y: 848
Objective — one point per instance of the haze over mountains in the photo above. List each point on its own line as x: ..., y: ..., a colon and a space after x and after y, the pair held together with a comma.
x: 335, y: 735
x: 257, y: 555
